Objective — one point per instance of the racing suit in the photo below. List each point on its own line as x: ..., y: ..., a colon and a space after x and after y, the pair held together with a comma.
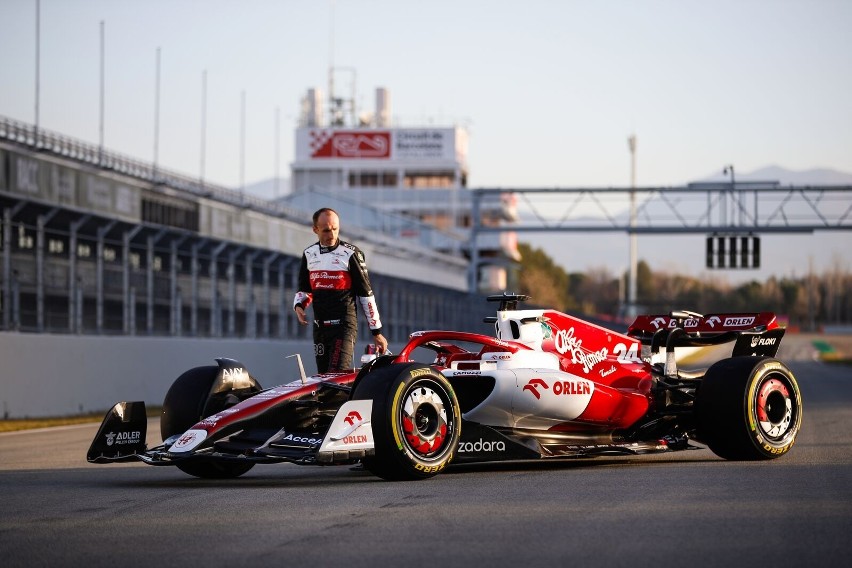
x: 333, y: 279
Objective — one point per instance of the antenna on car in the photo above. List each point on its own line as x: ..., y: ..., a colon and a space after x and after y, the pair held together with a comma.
x: 301, y: 367
x: 508, y: 300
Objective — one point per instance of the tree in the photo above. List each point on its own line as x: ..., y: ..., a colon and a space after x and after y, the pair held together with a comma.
x: 807, y: 303
x: 543, y: 280
x: 644, y: 282
x: 598, y: 291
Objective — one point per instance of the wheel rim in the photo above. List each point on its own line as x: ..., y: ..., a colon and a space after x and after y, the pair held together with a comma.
x: 775, y: 408
x: 424, y: 420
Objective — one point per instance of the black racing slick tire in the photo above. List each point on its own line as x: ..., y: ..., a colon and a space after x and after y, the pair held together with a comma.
x: 748, y: 408
x: 182, y: 408
x: 416, y: 421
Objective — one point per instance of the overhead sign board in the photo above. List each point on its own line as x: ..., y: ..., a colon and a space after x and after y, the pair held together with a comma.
x: 376, y: 144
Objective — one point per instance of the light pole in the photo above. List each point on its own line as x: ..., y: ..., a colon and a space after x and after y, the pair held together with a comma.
x: 157, y: 115
x: 101, y: 129
x: 277, y: 145
x: 730, y: 169
x: 634, y: 245
x: 242, y: 146
x: 203, y: 125
x: 37, y: 66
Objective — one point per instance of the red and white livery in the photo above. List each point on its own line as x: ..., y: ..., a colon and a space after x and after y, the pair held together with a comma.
x: 544, y: 385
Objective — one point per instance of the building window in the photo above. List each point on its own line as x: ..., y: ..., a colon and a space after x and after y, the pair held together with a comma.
x: 25, y: 239
x: 372, y: 179
x: 429, y: 179
x: 183, y: 216
x: 55, y: 246
x: 363, y: 179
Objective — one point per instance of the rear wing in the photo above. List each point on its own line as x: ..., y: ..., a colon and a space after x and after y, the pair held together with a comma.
x: 698, y: 340
x: 692, y: 323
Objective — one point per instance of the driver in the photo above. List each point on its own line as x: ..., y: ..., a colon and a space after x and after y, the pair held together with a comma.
x: 333, y: 278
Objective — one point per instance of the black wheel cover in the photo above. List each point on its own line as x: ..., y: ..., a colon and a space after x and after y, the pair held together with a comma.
x: 182, y: 408
x: 749, y: 408
x: 416, y: 421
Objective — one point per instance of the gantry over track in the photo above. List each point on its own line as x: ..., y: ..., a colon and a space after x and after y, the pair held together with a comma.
x: 710, y: 208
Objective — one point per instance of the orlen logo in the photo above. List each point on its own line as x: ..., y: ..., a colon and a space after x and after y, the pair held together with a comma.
x: 559, y: 387
x: 352, y: 418
x: 360, y: 439
x: 571, y: 387
x: 497, y: 357
x: 371, y: 313
x: 738, y: 321
x: 534, y: 384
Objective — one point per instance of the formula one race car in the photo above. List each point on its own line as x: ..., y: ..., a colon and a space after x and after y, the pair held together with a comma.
x: 549, y: 385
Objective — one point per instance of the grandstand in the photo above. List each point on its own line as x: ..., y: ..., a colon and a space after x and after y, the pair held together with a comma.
x: 96, y: 243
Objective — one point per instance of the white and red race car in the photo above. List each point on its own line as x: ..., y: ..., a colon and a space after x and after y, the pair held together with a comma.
x: 545, y: 385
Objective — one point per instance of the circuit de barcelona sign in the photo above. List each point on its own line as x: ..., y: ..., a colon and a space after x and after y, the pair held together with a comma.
x: 372, y: 144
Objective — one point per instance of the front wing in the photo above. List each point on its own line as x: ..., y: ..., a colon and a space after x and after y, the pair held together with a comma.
x: 122, y: 437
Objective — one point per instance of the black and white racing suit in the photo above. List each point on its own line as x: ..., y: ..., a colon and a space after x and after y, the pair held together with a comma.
x: 333, y: 280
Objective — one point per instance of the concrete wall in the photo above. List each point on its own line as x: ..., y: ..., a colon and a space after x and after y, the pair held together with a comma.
x: 57, y: 375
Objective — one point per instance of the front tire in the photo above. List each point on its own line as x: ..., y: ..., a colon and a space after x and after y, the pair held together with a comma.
x: 416, y: 421
x: 183, y: 408
x: 748, y: 408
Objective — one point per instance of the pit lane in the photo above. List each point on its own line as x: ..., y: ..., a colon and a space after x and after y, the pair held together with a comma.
x: 686, y: 507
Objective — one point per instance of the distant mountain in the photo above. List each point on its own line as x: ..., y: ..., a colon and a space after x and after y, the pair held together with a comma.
x: 816, y: 176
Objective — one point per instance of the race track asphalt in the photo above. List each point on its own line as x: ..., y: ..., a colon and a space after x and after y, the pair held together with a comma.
x: 680, y: 509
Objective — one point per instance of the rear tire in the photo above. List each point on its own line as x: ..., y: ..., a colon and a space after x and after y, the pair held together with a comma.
x: 416, y: 421
x: 748, y: 408
x: 182, y: 408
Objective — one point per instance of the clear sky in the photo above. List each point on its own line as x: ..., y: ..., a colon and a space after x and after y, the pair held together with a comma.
x: 550, y: 90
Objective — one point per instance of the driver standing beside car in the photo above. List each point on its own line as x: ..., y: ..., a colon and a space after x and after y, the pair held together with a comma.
x: 333, y: 278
